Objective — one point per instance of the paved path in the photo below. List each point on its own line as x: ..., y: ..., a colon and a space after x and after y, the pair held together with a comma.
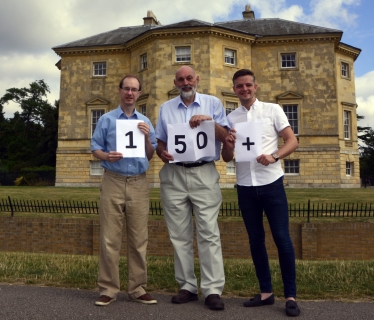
x: 30, y: 302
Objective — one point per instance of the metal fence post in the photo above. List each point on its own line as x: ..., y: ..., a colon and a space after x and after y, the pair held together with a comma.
x: 308, y: 210
x: 11, y: 207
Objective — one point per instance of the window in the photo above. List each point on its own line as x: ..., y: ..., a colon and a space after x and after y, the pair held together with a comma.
x: 230, y: 107
x: 345, y: 70
x: 292, y: 167
x: 96, y: 169
x: 349, y: 168
x: 292, y: 114
x: 183, y: 54
x: 230, y: 56
x: 95, y: 115
x: 347, y: 125
x: 99, y: 69
x: 143, y: 109
x: 143, y: 62
x: 288, y: 60
x: 231, y: 167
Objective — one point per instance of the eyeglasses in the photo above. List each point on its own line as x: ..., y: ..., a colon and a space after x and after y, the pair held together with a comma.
x: 127, y: 89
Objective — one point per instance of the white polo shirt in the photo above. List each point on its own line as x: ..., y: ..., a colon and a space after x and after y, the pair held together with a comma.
x: 273, y: 120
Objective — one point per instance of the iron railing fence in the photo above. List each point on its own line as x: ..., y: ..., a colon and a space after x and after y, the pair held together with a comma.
x: 228, y: 209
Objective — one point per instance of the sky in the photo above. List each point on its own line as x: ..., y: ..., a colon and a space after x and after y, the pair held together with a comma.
x: 30, y: 28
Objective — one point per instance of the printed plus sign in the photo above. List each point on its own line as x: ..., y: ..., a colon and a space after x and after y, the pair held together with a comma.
x: 248, y: 144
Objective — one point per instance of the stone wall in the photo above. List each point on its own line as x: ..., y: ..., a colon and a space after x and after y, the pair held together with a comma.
x: 312, y: 241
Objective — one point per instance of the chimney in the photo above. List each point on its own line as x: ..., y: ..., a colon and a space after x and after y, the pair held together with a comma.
x: 151, y: 19
x: 248, y: 13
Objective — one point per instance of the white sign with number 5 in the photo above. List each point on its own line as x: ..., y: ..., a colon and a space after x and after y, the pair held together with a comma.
x: 190, y: 144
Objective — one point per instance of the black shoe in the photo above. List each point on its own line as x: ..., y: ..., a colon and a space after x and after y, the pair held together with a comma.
x: 214, y: 302
x: 184, y: 296
x: 257, y: 302
x: 292, y: 309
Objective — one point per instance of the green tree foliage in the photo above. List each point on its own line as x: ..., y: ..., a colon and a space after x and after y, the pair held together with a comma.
x: 366, y: 147
x: 29, y: 139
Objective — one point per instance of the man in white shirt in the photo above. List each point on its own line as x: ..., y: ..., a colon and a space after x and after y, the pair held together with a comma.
x: 260, y: 188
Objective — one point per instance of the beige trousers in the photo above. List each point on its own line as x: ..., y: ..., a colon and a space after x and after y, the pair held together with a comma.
x: 123, y: 197
x: 184, y: 189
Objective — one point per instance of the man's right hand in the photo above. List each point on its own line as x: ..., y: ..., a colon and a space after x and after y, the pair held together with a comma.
x: 166, y: 156
x: 114, y: 156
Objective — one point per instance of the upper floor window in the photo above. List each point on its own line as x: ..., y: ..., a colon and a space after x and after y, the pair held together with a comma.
x: 230, y: 56
x: 95, y: 115
x: 143, y: 61
x: 230, y: 107
x: 182, y: 54
x: 143, y: 109
x: 292, y: 167
x: 291, y: 111
x: 99, y: 69
x: 347, y: 125
x: 345, y: 70
x: 288, y: 60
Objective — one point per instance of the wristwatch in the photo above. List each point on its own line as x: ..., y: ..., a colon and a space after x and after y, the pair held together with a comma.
x: 275, y: 156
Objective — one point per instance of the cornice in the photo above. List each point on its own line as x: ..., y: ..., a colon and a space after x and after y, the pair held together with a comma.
x: 90, y: 50
x: 183, y: 32
x: 298, y: 39
x: 353, y: 52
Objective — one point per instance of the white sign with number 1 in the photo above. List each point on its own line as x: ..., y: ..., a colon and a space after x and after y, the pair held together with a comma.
x: 130, y: 139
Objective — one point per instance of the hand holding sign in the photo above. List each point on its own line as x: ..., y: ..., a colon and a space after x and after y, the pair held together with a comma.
x: 130, y: 139
x: 248, y: 144
x: 190, y: 144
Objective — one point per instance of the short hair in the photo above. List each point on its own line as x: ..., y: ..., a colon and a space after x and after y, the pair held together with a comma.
x: 242, y: 73
x: 130, y: 76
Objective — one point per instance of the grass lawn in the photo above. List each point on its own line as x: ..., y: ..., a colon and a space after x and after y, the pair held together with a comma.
x: 316, y: 280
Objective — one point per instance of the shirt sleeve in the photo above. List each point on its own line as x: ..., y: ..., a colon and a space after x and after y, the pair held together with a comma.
x: 219, y: 115
x: 161, y: 132
x: 280, y: 118
x: 98, y: 138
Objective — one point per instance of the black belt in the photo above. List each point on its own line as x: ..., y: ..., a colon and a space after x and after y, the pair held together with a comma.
x: 192, y: 164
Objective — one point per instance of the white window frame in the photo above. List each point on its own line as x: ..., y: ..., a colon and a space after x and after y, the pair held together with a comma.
x: 230, y: 57
x: 143, y: 109
x: 183, y: 54
x: 94, y: 119
x: 230, y: 106
x: 143, y: 61
x: 231, y: 167
x: 347, y: 118
x: 288, y: 61
x: 96, y: 169
x: 291, y: 167
x: 345, y: 72
x: 99, y: 69
x: 349, y: 168
x: 292, y: 116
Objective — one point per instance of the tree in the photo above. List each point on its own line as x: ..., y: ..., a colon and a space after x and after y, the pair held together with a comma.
x: 366, y: 148
x: 29, y: 139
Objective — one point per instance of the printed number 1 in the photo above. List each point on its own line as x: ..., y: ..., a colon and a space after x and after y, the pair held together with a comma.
x: 131, y: 139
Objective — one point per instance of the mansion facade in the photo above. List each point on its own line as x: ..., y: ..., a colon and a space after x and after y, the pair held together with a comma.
x: 305, y: 69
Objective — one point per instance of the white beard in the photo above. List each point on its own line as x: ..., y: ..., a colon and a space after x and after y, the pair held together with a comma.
x: 188, y: 94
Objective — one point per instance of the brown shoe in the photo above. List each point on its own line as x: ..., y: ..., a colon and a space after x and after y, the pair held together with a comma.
x: 145, y: 298
x: 214, y: 302
x: 104, y: 301
x: 184, y: 296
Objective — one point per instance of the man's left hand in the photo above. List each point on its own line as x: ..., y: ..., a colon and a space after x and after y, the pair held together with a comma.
x: 144, y: 128
x: 196, y: 120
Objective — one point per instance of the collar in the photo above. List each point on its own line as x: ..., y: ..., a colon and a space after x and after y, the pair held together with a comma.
x: 254, y: 106
x: 120, y: 114
x: 196, y: 102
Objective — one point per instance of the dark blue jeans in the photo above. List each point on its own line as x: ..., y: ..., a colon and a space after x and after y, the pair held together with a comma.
x: 272, y: 199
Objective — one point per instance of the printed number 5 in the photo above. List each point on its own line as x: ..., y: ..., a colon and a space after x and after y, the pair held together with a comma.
x: 177, y: 141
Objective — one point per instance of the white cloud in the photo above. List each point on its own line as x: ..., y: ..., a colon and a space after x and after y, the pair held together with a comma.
x: 365, y: 98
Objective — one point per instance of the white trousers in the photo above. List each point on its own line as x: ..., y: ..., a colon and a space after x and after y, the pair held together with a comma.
x: 184, y: 189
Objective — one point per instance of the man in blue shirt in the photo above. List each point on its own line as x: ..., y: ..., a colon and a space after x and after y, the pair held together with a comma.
x: 124, y: 192
x: 193, y: 185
